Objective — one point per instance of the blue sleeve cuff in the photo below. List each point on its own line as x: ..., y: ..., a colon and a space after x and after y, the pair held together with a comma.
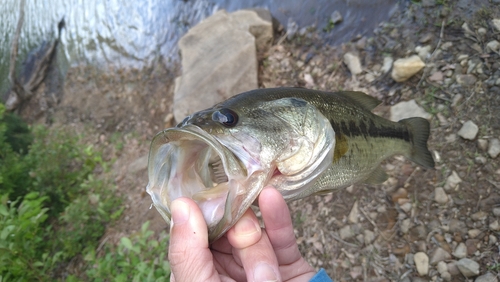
x: 321, y: 276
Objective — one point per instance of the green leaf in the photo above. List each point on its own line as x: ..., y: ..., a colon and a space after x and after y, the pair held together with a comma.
x: 6, y: 231
x: 3, y: 210
x: 127, y: 243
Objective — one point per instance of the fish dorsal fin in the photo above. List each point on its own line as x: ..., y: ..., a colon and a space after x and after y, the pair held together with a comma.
x: 377, y: 176
x: 363, y: 100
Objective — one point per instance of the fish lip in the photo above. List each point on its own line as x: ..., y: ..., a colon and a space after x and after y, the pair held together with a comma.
x: 162, y: 153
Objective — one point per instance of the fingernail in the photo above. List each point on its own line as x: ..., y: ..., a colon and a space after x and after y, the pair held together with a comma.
x: 180, y: 212
x: 246, y: 226
x: 264, y: 272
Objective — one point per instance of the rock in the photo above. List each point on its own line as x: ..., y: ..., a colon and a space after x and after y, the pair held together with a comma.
x: 446, y: 276
x: 309, y: 80
x: 369, y: 236
x: 472, y: 246
x: 496, y: 23
x: 468, y: 267
x: 369, y: 77
x: 439, y: 255
x: 492, y: 239
x: 445, y: 46
x: 494, y: 148
x: 386, y: 67
x: 219, y: 58
x: 469, y: 130
x: 361, y: 43
x: 473, y: 233
x: 496, y: 211
x: 456, y: 100
x: 466, y: 79
x: 353, y: 63
x: 495, y: 226
x: 437, y: 76
x: 453, y: 269
x: 353, y: 215
x: 406, y: 207
x: 442, y: 267
x: 405, y: 225
x: 488, y: 277
x: 403, y: 69
x: 421, y: 263
x: 452, y: 181
x: 423, y: 51
x: 493, y: 46
x: 460, y: 251
x: 401, y: 193
x: 440, y: 196
x: 456, y: 225
x: 479, y: 216
x: 356, y: 272
x: 336, y: 17
x: 482, y: 144
x: 466, y: 29
x: 408, y: 109
x: 346, y: 232
x: 426, y: 38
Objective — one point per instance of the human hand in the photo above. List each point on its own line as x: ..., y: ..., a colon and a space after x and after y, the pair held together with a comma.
x: 246, y: 252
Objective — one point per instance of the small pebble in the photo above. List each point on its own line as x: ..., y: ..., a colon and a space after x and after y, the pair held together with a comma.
x: 494, y: 226
x: 496, y: 211
x: 479, y: 216
x: 452, y: 181
x: 442, y: 267
x: 473, y: 233
x: 488, y: 277
x: 494, y: 148
x: 421, y: 263
x: 468, y: 267
x: 346, y: 232
x: 440, y: 196
x: 460, y: 251
x: 439, y: 255
x: 469, y: 130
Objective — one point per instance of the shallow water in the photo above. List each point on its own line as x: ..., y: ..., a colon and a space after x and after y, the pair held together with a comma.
x: 135, y: 33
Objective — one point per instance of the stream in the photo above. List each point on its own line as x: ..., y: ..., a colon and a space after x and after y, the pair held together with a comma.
x: 135, y: 33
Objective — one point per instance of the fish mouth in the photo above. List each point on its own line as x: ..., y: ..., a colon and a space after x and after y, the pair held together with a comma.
x: 189, y: 162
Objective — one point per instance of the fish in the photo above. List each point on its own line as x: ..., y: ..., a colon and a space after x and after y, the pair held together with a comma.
x: 300, y: 141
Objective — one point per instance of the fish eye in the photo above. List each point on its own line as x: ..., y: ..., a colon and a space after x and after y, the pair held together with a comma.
x: 225, y: 116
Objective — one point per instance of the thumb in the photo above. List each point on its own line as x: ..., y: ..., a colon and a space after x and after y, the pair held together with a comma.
x: 189, y: 254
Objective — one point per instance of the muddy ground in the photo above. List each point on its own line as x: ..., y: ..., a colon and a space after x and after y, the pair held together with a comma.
x: 120, y: 111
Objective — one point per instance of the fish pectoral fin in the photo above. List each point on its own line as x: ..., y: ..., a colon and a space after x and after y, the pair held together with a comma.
x: 323, y: 192
x: 377, y: 176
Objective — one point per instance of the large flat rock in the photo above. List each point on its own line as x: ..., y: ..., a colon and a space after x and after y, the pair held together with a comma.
x: 219, y: 59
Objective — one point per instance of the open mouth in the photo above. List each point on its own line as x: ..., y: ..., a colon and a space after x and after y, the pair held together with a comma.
x: 188, y: 162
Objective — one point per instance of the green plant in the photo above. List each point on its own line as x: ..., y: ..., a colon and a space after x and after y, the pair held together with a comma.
x: 23, y: 252
x: 55, y: 202
x: 139, y: 258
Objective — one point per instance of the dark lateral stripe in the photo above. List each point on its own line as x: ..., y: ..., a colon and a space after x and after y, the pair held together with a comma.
x: 370, y: 129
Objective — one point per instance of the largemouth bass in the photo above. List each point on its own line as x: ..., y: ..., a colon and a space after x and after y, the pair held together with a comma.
x: 298, y: 140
